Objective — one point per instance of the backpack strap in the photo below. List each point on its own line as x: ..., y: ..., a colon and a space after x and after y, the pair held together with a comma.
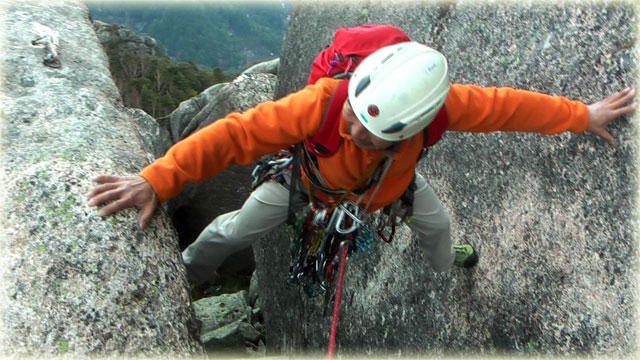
x: 434, y: 131
x: 327, y: 140
x: 438, y: 126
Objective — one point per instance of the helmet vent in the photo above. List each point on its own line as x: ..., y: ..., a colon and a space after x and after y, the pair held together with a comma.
x: 394, y: 128
x: 387, y: 58
x: 362, y: 85
x: 425, y: 112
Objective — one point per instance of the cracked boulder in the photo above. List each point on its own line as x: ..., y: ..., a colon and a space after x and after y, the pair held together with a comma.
x: 551, y: 216
x: 226, y: 324
x: 72, y: 282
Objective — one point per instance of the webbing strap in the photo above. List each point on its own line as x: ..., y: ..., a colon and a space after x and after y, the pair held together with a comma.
x: 363, y: 177
x: 296, y: 185
x: 325, y: 142
x: 436, y: 128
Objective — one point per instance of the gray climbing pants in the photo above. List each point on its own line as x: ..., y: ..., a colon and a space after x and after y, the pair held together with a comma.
x: 267, y: 208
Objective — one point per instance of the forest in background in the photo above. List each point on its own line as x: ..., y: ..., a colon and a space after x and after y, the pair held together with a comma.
x: 158, y: 85
x: 199, y: 44
x: 227, y: 35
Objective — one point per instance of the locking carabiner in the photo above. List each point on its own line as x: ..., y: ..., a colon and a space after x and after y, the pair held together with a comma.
x: 352, y: 210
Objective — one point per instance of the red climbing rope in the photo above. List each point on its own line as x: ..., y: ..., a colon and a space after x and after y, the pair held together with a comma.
x: 336, y: 306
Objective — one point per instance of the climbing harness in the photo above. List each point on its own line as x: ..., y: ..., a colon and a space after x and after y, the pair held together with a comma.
x: 396, y: 213
x: 316, y: 229
x: 316, y: 239
x: 322, y: 235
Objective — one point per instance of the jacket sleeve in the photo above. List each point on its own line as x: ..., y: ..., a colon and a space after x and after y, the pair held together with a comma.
x: 239, y: 138
x: 474, y: 109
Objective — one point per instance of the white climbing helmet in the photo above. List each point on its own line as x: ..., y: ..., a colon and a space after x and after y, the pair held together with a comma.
x: 397, y: 90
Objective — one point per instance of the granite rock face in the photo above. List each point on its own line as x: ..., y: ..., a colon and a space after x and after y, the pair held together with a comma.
x: 551, y: 216
x: 72, y: 282
x: 124, y: 39
x: 155, y: 138
x: 265, y: 67
x: 228, y: 324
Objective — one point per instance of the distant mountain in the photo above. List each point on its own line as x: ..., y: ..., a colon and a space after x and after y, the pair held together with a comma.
x: 229, y: 36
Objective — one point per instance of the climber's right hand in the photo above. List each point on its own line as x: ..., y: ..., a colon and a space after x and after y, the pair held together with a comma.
x: 124, y: 192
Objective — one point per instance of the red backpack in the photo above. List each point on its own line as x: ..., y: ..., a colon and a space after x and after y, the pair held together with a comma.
x: 338, y: 60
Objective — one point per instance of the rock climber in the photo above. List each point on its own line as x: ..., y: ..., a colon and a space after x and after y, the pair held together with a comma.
x: 393, y: 95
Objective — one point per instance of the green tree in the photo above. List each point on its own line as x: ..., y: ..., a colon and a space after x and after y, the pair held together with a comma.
x: 158, y: 85
x: 214, y: 34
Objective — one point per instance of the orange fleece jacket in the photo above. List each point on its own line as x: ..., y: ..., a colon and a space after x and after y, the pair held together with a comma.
x: 274, y: 125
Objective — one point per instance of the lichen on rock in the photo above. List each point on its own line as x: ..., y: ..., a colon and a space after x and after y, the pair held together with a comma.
x: 76, y: 283
x: 551, y: 216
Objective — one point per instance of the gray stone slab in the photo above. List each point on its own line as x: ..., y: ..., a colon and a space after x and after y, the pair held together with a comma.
x: 218, y: 311
x: 552, y: 216
x: 74, y: 283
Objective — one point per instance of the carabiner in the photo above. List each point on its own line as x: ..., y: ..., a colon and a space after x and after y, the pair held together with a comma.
x: 345, y: 209
x: 280, y: 164
x: 393, y: 232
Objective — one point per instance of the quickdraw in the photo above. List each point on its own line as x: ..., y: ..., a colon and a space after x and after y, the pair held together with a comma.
x: 320, y: 229
x: 270, y: 167
x: 315, y: 243
x: 392, y: 216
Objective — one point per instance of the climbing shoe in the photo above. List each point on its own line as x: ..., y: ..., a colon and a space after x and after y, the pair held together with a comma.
x: 466, y: 256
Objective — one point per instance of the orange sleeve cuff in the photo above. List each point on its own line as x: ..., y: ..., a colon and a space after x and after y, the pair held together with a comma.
x: 158, y: 180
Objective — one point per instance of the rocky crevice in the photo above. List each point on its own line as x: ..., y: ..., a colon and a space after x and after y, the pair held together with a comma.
x: 231, y: 323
